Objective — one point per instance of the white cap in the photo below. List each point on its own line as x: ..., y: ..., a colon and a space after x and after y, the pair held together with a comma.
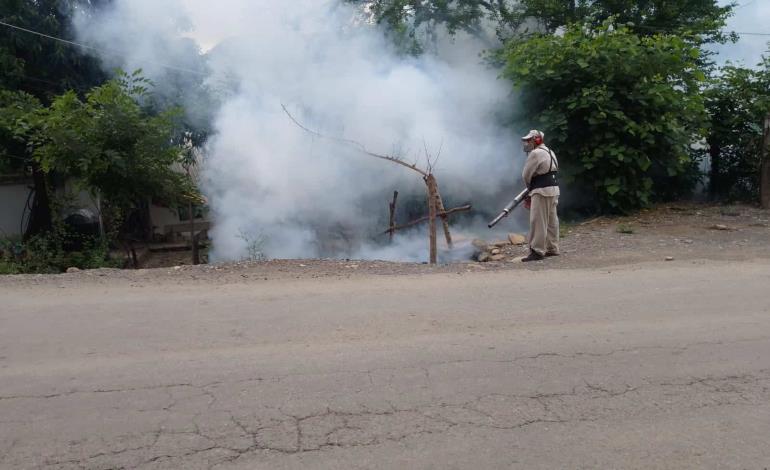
x: 532, y: 134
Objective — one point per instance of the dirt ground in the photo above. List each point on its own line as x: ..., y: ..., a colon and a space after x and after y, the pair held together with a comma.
x: 684, y: 232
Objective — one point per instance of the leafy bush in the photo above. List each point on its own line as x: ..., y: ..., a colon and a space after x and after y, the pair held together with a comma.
x: 48, y: 254
x: 621, y: 110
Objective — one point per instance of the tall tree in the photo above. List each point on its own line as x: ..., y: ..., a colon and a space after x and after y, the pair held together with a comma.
x: 738, y: 101
x: 622, y: 110
x: 700, y: 20
x: 43, y: 67
x: 112, y: 147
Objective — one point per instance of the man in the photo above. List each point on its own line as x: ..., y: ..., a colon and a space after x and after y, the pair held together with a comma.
x: 540, y: 176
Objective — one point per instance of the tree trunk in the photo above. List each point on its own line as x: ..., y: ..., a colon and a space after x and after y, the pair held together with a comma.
x: 393, y: 216
x: 431, y: 183
x: 764, y: 177
x: 444, y: 218
x: 193, y: 238
x: 715, y: 186
x: 41, y: 217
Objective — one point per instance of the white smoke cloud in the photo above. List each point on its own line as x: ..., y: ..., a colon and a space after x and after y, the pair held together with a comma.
x: 306, y: 196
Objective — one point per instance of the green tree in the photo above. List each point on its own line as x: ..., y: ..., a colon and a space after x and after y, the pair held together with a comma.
x: 17, y: 114
x: 43, y: 68
x: 114, y: 148
x: 699, y: 20
x: 622, y: 110
x: 738, y: 100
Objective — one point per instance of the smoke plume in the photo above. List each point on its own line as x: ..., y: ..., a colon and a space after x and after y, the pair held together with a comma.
x: 279, y: 190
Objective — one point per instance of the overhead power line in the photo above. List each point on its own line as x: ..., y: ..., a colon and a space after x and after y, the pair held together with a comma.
x: 98, y: 49
x: 204, y: 74
x: 745, y: 5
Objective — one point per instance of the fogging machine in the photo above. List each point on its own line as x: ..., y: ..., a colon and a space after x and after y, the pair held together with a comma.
x: 510, y: 207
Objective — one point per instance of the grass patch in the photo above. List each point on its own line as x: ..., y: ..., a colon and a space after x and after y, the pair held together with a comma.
x: 626, y: 229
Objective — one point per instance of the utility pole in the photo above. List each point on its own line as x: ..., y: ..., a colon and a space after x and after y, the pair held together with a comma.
x: 764, y: 175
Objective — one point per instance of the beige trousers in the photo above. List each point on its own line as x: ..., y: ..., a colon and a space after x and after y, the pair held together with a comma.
x: 544, y: 225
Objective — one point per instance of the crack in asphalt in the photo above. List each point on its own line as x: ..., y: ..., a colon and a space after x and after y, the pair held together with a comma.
x: 422, y: 419
x: 289, y: 433
x: 425, y: 368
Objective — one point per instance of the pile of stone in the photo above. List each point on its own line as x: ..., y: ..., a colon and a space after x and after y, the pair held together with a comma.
x: 494, y: 251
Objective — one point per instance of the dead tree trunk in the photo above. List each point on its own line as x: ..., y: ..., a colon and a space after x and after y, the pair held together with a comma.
x: 430, y: 181
x: 435, y: 204
x: 393, y: 215
x: 444, y: 217
x: 764, y: 176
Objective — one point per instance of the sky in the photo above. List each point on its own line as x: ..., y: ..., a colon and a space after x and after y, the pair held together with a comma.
x: 752, y: 16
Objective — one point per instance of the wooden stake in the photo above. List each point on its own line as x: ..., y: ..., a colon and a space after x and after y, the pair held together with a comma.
x: 430, y: 181
x: 764, y: 175
x: 393, y: 215
x: 444, y: 218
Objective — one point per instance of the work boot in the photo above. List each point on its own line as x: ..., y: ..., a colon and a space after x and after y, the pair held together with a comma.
x: 549, y: 254
x: 533, y: 256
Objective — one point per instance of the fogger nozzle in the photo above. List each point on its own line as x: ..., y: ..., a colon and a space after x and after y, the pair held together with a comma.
x: 510, y: 207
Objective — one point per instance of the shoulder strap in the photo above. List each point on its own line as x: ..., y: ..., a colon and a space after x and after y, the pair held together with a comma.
x: 553, y: 160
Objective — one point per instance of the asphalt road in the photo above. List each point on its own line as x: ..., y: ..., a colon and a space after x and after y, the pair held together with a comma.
x: 654, y: 366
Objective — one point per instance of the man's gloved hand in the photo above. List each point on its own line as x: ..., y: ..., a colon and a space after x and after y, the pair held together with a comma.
x: 528, y: 203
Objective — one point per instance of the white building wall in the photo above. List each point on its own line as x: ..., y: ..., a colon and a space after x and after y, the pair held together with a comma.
x: 13, y: 199
x: 161, y: 217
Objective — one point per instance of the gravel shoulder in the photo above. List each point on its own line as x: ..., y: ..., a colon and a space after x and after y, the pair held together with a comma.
x: 676, y: 233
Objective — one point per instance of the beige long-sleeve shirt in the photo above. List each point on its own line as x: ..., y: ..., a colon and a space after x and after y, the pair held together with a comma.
x: 539, y: 163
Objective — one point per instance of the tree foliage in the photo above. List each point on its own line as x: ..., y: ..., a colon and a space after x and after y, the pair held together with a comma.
x: 699, y: 20
x: 17, y: 113
x: 738, y: 101
x: 113, y: 147
x: 41, y: 66
x: 622, y: 110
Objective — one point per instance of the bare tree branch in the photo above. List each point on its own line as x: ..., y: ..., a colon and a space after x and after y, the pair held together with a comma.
x: 361, y: 148
x: 426, y: 218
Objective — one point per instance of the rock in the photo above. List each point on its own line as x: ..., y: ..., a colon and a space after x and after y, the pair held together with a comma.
x: 497, y: 257
x: 720, y: 227
x: 501, y: 243
x: 517, y: 239
x: 483, y: 257
x: 495, y: 251
x: 669, y: 258
x: 73, y: 270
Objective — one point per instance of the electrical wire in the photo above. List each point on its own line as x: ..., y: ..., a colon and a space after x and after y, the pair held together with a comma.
x: 745, y: 5
x: 204, y: 74
x: 98, y: 49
